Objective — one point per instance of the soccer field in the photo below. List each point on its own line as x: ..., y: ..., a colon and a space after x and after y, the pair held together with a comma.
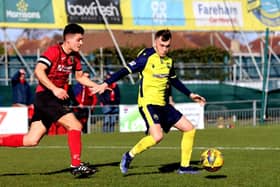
x: 251, y: 159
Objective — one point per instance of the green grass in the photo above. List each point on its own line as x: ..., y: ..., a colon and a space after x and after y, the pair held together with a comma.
x: 252, y: 158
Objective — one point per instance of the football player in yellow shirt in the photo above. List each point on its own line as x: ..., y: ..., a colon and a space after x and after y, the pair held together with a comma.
x: 156, y: 73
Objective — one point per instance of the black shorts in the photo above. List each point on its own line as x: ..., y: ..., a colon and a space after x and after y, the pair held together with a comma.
x: 166, y: 116
x: 48, y: 108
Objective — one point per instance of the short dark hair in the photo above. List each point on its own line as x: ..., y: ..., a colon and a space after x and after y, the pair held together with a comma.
x: 165, y: 34
x: 73, y: 28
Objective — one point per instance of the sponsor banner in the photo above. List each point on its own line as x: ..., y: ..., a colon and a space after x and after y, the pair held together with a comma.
x: 194, y: 112
x: 158, y: 12
x: 87, y: 11
x: 253, y: 4
x: 28, y: 11
x: 185, y: 15
x: 32, y: 14
x: 218, y: 13
x: 267, y: 12
x: 131, y: 120
x: 13, y: 120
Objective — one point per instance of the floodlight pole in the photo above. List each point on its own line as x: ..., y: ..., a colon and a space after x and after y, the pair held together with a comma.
x: 6, y: 58
x: 265, y: 87
x: 113, y: 38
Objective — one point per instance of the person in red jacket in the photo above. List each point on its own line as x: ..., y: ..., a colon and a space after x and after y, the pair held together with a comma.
x: 110, y: 100
x: 86, y: 99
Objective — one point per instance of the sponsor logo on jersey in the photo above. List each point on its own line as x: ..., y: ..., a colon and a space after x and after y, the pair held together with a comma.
x: 160, y: 75
x: 64, y: 68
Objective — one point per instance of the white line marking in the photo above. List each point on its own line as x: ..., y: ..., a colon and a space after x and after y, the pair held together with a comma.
x: 162, y: 148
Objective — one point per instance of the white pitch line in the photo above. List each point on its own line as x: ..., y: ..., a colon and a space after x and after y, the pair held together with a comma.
x: 164, y: 148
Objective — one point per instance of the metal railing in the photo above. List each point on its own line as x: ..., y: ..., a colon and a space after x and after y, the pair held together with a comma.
x: 240, y: 118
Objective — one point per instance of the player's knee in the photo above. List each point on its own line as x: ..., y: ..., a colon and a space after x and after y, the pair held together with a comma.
x: 77, y: 126
x: 158, y: 137
x: 187, y: 128
x: 31, y: 142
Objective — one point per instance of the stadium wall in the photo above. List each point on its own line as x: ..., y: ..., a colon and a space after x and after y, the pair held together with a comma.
x: 212, y: 92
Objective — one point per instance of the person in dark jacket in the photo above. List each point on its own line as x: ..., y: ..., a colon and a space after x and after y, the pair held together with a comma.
x: 21, y: 91
x: 110, y: 100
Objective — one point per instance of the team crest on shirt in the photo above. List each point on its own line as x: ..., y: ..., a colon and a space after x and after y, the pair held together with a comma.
x: 155, y: 117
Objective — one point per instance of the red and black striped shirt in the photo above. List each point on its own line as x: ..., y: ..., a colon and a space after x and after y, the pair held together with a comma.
x: 60, y: 65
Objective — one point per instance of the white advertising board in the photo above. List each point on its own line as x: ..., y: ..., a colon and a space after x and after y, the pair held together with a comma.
x: 131, y: 120
x: 13, y: 120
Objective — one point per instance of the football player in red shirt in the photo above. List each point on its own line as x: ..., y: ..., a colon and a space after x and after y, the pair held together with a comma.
x: 52, y: 101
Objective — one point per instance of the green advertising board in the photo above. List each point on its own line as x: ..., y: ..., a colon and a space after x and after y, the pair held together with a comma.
x: 26, y: 11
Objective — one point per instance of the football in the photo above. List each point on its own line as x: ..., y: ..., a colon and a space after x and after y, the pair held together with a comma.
x: 212, y: 160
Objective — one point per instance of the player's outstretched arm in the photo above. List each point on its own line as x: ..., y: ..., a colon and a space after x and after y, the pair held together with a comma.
x: 94, y: 87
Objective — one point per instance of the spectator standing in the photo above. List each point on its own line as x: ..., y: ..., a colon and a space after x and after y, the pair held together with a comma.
x: 21, y: 91
x: 110, y: 100
x: 86, y: 100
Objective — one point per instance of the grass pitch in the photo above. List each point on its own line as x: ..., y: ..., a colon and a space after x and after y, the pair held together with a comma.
x: 252, y: 158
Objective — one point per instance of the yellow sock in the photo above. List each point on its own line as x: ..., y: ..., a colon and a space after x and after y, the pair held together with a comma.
x: 142, y: 145
x: 186, y: 147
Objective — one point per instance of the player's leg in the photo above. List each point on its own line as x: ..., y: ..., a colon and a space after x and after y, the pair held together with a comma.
x: 186, y: 145
x: 36, y: 132
x: 32, y: 138
x: 74, y: 127
x: 112, y: 122
x: 106, y: 122
x: 154, y: 137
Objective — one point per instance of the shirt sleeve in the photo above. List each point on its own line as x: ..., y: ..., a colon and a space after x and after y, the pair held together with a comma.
x: 139, y: 63
x: 50, y: 56
x: 77, y: 61
x: 134, y: 66
x: 180, y: 86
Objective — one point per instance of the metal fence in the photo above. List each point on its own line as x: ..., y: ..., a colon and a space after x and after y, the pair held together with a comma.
x: 240, y: 118
x: 219, y: 118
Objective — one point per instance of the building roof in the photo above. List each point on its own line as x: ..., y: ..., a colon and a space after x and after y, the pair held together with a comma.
x: 257, y: 46
x: 100, y: 39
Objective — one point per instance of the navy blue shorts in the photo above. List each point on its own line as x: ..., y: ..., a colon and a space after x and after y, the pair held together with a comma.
x: 48, y: 108
x: 167, y: 116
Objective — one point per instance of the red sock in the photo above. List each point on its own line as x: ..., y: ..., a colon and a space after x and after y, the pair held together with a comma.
x: 75, y: 146
x: 12, y: 140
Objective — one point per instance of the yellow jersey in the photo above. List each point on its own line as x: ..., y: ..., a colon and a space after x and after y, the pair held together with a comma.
x: 154, y: 73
